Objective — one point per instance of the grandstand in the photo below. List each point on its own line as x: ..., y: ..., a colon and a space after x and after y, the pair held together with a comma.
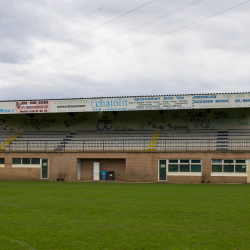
x: 201, y: 138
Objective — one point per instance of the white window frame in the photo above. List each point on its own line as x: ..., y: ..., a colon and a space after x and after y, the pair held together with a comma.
x: 2, y: 165
x: 26, y: 165
x: 184, y: 173
x: 229, y: 173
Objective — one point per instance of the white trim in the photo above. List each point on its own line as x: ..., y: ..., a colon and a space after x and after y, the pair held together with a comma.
x: 96, y: 171
x: 26, y: 165
x: 79, y: 167
x: 2, y: 165
x: 185, y: 173
x: 248, y: 171
x: 179, y: 173
x: 158, y: 170
x: 229, y: 174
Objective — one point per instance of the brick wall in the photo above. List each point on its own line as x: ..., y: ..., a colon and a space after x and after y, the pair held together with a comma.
x: 184, y: 179
x: 228, y: 179
x: 60, y: 165
x: 142, y: 167
x: 18, y: 173
x: 116, y: 165
x: 134, y: 167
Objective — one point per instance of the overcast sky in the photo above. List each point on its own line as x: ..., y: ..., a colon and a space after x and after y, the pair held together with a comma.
x: 101, y: 48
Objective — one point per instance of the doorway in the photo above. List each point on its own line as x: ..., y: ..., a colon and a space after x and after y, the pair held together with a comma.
x: 45, y: 168
x: 162, y: 170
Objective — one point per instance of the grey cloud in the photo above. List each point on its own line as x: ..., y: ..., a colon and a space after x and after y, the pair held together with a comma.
x: 211, y: 56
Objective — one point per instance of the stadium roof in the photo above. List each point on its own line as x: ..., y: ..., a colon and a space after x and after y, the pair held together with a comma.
x: 128, y: 103
x: 53, y: 99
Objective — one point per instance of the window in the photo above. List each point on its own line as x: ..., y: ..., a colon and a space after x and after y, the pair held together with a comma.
x: 184, y: 166
x: 2, y: 163
x: 26, y: 161
x: 16, y: 161
x: 228, y: 166
x: 35, y: 160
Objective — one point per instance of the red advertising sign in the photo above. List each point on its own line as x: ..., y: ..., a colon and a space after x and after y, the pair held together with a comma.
x: 41, y: 106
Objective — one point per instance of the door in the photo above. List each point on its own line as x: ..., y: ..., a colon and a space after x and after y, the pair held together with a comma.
x: 44, y: 168
x: 78, y: 169
x: 96, y: 171
x: 248, y: 171
x: 162, y: 170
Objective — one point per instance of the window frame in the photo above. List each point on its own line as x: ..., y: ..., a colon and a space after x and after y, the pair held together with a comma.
x: 2, y: 165
x: 183, y: 163
x: 226, y: 163
x: 26, y: 165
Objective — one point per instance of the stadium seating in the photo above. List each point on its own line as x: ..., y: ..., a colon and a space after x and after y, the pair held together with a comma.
x: 150, y: 140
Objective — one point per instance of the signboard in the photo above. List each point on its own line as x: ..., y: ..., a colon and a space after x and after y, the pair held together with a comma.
x: 204, y: 101
x: 163, y: 102
x: 7, y: 107
x: 72, y: 105
x: 41, y: 106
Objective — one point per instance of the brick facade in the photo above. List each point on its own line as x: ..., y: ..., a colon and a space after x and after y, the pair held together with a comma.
x: 116, y: 165
x: 128, y: 166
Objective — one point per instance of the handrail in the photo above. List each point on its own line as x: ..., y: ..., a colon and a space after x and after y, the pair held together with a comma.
x: 128, y: 145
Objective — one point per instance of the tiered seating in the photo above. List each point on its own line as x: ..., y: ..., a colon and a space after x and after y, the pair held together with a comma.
x: 239, y: 133
x: 6, y: 139
x: 239, y: 139
x: 109, y: 140
x: 40, y: 140
x: 150, y: 140
x: 190, y: 134
x: 199, y: 139
x: 81, y: 140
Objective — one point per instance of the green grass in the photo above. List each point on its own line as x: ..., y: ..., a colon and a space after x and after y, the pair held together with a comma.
x: 61, y: 215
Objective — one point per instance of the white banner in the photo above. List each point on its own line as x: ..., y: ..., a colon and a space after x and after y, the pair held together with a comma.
x: 7, y: 107
x: 204, y: 101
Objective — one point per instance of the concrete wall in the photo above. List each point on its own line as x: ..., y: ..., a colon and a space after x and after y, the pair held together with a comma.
x: 128, y: 120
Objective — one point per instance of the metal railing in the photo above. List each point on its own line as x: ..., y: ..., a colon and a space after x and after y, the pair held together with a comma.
x: 128, y: 145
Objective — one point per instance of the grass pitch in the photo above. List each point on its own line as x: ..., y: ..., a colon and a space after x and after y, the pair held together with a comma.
x: 61, y: 215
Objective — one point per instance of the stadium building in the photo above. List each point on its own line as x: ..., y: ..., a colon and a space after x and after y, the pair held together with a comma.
x: 200, y: 138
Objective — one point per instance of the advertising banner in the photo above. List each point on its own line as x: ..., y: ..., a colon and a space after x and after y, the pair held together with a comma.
x: 203, y: 101
x: 41, y: 106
